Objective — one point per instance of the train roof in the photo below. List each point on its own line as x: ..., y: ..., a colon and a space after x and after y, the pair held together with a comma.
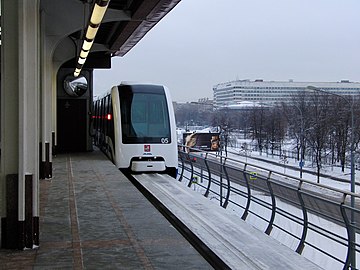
x: 139, y: 83
x: 128, y: 83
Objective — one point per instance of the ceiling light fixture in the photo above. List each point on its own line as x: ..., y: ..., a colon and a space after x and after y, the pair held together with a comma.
x: 96, y: 18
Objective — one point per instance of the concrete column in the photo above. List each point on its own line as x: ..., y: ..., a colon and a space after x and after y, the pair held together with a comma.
x: 47, y: 74
x: 9, y: 106
x: 19, y: 208
x: 29, y: 86
x: 54, y: 115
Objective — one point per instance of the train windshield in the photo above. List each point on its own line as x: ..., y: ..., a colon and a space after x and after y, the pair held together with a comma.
x: 144, y: 115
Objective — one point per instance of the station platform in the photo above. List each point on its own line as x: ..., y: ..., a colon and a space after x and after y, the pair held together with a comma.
x: 92, y: 217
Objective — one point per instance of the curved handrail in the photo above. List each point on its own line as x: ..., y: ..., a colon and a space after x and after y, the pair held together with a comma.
x: 209, y: 175
x: 275, y: 185
x: 301, y: 244
x: 228, y: 185
x: 273, y: 206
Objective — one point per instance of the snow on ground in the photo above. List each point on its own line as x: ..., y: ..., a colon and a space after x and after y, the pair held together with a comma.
x: 334, y: 171
x: 247, y: 156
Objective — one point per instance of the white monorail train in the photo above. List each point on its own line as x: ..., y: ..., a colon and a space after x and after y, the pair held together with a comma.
x: 135, y: 127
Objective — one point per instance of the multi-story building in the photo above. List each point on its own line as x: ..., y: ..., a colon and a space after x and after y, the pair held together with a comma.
x: 239, y: 92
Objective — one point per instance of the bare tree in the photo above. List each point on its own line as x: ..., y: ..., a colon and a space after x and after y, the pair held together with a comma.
x: 193, y: 114
x: 274, y: 128
x: 296, y: 113
x: 257, y: 122
x: 224, y: 120
x: 317, y: 135
x: 340, y: 125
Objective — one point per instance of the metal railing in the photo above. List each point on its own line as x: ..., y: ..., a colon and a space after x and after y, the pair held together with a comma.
x: 314, y: 220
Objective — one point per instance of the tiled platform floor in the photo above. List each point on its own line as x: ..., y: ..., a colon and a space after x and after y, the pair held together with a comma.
x: 92, y: 217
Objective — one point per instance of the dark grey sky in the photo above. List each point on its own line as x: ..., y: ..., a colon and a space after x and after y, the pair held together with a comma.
x: 201, y: 43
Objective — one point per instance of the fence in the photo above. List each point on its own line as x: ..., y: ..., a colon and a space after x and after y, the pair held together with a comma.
x: 314, y: 220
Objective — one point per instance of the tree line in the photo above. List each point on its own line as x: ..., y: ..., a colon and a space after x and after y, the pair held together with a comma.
x: 319, y: 125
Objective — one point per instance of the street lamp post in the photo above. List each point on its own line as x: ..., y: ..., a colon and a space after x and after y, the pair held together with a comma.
x: 352, y: 173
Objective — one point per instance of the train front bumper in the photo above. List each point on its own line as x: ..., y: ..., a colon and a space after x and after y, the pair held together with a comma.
x: 148, y: 166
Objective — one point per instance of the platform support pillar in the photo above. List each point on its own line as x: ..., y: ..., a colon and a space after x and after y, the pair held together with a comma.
x: 19, y: 178
x: 47, y: 88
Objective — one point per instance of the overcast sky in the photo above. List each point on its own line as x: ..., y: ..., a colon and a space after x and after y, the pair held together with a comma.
x: 201, y: 43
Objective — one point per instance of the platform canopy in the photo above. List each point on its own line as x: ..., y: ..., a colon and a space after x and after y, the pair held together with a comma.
x: 125, y: 23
